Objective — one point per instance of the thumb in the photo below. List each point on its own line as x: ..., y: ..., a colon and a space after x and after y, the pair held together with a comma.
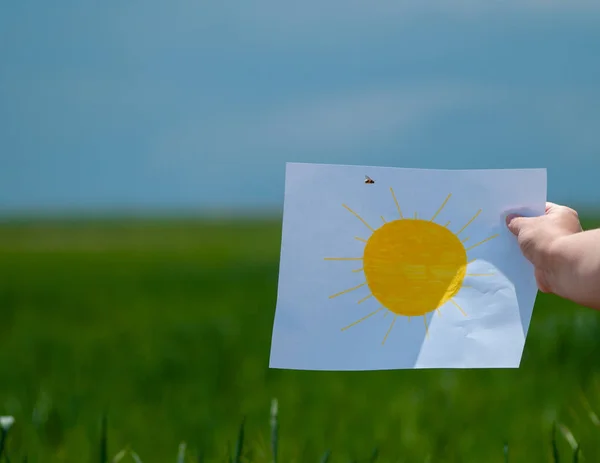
x: 515, y: 223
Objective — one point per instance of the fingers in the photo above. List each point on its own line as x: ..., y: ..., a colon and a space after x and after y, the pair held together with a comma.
x: 552, y: 208
x: 515, y: 223
x: 510, y: 219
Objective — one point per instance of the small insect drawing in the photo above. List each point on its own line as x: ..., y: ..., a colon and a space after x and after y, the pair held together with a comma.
x: 369, y: 179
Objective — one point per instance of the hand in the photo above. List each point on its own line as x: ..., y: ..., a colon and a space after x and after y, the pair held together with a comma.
x: 538, y: 237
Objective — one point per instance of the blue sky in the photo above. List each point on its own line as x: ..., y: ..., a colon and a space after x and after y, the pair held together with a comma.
x: 198, y: 105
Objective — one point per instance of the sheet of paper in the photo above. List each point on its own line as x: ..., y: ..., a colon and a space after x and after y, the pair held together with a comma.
x: 415, y: 270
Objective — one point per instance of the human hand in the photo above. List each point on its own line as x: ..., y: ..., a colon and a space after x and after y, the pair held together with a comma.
x: 538, y: 238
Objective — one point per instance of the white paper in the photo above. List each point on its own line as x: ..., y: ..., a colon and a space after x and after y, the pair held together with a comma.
x: 406, y: 266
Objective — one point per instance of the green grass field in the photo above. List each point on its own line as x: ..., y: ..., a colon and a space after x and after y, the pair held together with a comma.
x: 166, y: 326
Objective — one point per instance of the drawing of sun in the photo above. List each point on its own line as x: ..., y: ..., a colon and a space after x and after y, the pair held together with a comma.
x: 412, y: 266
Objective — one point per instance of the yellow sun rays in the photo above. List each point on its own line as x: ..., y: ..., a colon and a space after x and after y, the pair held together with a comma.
x: 389, y: 329
x: 396, y: 201
x: 365, y: 298
x: 481, y: 242
x: 458, y: 307
x: 346, y: 291
x: 360, y: 218
x: 441, y: 207
x: 469, y: 222
x: 362, y: 319
x: 408, y: 313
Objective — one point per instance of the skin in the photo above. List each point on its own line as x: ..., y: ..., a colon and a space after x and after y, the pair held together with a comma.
x: 566, y: 258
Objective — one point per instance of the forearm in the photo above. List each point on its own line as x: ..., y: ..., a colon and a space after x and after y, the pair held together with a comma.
x: 575, y: 268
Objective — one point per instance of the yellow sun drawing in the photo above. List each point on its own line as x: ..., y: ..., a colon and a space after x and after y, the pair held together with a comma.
x: 412, y: 266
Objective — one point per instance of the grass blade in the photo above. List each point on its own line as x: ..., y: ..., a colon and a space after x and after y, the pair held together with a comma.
x: 181, y: 453
x: 274, y: 429
x: 3, y: 434
x: 325, y: 457
x: 590, y: 412
x: 237, y: 456
x: 506, y: 452
x: 576, y: 455
x: 104, y: 440
x: 6, y: 422
x: 119, y: 456
x: 568, y: 435
x: 135, y: 457
x: 554, y: 446
x: 374, y: 455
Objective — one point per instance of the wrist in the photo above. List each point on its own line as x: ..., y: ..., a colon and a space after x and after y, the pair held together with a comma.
x: 555, y: 264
